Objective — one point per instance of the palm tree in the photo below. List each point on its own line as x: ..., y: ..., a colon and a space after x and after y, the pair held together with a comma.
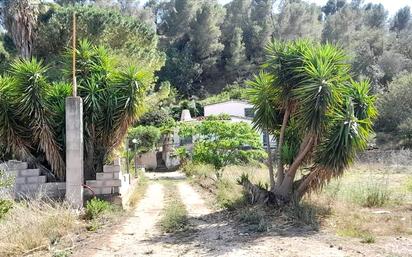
x: 32, y: 120
x: 326, y: 116
x: 20, y: 19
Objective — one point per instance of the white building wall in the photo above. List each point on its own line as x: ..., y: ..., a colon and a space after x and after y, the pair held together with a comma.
x: 233, y: 108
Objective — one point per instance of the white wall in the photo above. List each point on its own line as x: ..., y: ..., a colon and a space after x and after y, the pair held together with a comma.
x: 235, y: 108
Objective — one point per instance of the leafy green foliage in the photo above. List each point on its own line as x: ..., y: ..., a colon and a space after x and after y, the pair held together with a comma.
x: 146, y: 138
x: 5, y: 207
x: 133, y: 41
x: 95, y: 208
x: 221, y: 143
x: 327, y: 117
x: 32, y: 121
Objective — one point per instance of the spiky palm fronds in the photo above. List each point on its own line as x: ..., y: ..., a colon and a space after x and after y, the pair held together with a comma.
x: 329, y: 114
x: 31, y: 87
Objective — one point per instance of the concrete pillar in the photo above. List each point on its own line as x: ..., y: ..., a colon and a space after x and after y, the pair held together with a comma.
x: 74, y: 151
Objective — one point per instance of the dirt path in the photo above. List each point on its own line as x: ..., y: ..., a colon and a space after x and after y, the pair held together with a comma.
x: 141, y: 225
x: 215, y: 233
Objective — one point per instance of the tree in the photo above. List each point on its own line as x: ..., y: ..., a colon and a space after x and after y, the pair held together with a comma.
x: 298, y: 19
x: 132, y: 41
x: 236, y: 62
x: 401, y: 19
x: 20, y: 20
x: 375, y: 15
x: 32, y: 120
x: 326, y: 116
x: 259, y: 29
x: 205, y: 35
x: 221, y: 143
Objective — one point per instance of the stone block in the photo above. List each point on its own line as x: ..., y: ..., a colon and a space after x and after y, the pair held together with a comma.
x: 95, y: 183
x: 116, y: 175
x: 29, y: 173
x: 36, y: 179
x: 111, y: 168
x: 16, y: 165
x: 21, y: 180
x: 109, y: 190
x: 112, y: 183
x: 104, y: 176
x: 28, y: 187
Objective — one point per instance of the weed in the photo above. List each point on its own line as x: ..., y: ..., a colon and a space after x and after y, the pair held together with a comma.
x: 5, y: 207
x: 368, y: 239
x: 96, y: 207
x: 254, y: 219
x: 304, y: 213
x: 175, y: 217
x: 36, y: 225
x: 139, y: 190
x: 370, y: 194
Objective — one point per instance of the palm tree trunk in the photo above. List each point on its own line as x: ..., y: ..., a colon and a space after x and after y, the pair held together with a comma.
x: 270, y: 162
x: 286, y: 187
x: 280, y: 169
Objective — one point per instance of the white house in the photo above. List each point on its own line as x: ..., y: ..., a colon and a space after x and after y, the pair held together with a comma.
x: 238, y: 111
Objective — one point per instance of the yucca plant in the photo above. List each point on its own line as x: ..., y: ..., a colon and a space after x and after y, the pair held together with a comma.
x: 32, y: 120
x: 321, y: 117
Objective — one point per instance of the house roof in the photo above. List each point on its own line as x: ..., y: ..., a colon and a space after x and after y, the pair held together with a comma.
x: 229, y: 101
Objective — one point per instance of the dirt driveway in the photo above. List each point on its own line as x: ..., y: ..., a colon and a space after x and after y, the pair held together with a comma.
x: 215, y: 233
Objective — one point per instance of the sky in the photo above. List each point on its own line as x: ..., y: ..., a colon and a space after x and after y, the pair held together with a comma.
x: 391, y: 5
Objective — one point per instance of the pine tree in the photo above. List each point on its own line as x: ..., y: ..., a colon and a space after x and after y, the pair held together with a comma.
x: 205, y: 35
x: 236, y: 63
x: 401, y: 19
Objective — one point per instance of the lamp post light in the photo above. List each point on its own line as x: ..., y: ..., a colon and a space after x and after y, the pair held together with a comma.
x: 135, y: 142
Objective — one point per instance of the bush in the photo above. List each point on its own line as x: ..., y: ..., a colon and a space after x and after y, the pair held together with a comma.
x: 175, y: 217
x: 395, y: 106
x: 255, y: 219
x: 147, y: 137
x: 223, y: 143
x: 156, y: 117
x: 95, y: 208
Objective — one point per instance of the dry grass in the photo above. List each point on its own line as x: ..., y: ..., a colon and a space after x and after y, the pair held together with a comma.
x: 36, y: 225
x: 138, y: 191
x: 368, y: 201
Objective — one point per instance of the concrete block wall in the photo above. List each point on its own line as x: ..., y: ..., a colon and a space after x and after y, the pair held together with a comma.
x: 110, y: 181
x: 30, y: 182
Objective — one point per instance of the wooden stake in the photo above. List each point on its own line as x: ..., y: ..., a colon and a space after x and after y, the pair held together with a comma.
x: 74, y: 55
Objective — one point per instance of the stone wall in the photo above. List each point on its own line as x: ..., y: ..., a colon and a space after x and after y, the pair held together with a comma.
x: 30, y: 182
x: 147, y: 160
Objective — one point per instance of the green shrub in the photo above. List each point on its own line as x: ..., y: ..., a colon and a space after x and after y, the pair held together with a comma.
x: 5, y: 207
x: 175, y: 217
x: 254, y: 219
x: 96, y: 207
x: 147, y: 137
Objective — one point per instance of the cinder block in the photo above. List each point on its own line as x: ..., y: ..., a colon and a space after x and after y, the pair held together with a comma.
x: 116, y: 175
x: 16, y: 165
x: 29, y: 173
x: 21, y: 180
x: 28, y: 187
x: 95, y: 183
x: 104, y: 176
x: 61, y: 185
x: 112, y: 183
x: 36, y: 179
x: 109, y: 190
x: 111, y: 168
